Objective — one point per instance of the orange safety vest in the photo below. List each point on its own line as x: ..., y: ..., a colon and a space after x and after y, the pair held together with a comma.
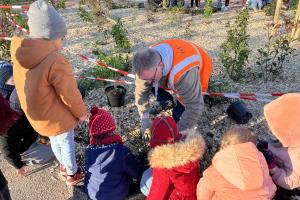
x: 187, y: 55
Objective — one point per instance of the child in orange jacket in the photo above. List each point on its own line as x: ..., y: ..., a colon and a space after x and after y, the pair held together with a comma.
x: 283, y: 117
x: 46, y: 86
x: 238, y: 170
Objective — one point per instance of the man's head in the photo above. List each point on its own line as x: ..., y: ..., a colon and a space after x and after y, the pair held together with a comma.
x: 148, y: 65
x: 45, y: 22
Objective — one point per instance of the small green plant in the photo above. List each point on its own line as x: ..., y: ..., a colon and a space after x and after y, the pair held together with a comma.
x: 272, y: 57
x: 21, y: 21
x: 84, y: 15
x: 218, y: 84
x: 6, y: 30
x: 178, y: 9
x: 98, y: 6
x: 196, y: 12
x: 114, y: 60
x: 4, y: 50
x: 235, y: 51
x: 119, y: 34
x: 165, y: 4
x: 152, y: 5
x: 208, y: 10
x: 150, y: 17
x: 294, y: 4
x: 187, y: 30
x: 61, y: 4
x: 58, y: 4
x: 269, y: 9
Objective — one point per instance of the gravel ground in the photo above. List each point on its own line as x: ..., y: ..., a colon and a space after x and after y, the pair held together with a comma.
x: 207, y: 33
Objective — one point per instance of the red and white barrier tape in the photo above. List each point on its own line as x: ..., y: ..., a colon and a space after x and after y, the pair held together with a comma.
x: 247, y: 95
x: 105, y: 79
x: 14, y: 15
x: 14, y: 6
x: 235, y: 96
x: 14, y: 23
x: 97, y: 62
x: 5, y: 38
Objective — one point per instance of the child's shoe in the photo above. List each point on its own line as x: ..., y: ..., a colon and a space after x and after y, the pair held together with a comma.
x: 62, y: 170
x: 76, y: 178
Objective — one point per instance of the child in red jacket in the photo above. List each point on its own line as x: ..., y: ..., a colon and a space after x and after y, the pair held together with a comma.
x: 174, y: 160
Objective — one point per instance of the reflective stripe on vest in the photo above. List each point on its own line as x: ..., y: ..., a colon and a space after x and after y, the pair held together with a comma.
x: 186, y: 56
x: 182, y: 66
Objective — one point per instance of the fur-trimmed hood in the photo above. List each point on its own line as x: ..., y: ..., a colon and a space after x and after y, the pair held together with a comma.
x: 178, y: 154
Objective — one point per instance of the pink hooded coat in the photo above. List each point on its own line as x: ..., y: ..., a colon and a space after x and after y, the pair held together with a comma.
x: 237, y: 172
x: 283, y: 117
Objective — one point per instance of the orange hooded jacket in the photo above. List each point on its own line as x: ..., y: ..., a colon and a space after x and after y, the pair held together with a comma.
x: 45, y: 86
x: 237, y: 172
x: 283, y: 117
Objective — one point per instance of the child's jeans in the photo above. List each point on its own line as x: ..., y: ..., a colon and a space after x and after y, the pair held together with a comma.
x: 63, y: 147
x: 146, y: 182
x: 256, y: 4
x: 163, y: 96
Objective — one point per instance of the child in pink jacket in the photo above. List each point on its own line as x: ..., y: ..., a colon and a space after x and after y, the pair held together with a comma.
x: 283, y: 117
x: 238, y: 170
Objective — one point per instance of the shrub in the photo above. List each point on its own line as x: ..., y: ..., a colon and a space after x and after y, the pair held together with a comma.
x: 84, y: 15
x: 235, y: 51
x: 6, y: 30
x: 217, y: 84
x: 119, y: 34
x: 272, y: 57
x: 58, y: 4
x: 270, y: 9
x: 208, y: 10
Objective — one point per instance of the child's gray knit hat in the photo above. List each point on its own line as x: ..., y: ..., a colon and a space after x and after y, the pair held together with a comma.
x: 45, y: 22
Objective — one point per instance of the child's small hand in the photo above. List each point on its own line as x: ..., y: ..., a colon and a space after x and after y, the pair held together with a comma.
x: 21, y: 172
x: 82, y: 119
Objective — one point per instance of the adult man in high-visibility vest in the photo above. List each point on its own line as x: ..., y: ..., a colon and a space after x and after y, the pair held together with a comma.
x: 176, y: 65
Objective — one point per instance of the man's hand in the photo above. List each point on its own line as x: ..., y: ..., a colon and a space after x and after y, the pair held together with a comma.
x: 82, y: 119
x: 21, y: 172
x: 145, y: 125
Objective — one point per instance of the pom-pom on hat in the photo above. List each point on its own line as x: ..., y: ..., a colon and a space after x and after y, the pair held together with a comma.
x: 102, y: 128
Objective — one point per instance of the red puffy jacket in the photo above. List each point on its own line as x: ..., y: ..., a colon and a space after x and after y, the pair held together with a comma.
x: 175, y: 169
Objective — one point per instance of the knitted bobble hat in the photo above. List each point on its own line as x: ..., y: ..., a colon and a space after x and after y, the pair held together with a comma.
x: 163, y: 131
x: 7, y: 116
x: 102, y: 128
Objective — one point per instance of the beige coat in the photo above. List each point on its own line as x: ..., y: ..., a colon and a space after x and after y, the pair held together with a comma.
x: 46, y: 86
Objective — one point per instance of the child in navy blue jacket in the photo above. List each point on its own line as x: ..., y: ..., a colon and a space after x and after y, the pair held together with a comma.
x: 109, y: 164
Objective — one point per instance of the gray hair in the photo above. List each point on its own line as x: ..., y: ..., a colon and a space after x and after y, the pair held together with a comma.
x: 145, y: 59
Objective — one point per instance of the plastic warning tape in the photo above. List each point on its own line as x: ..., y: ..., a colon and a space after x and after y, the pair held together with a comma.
x: 5, y: 38
x: 236, y: 96
x: 99, y: 63
x: 14, y: 6
x: 14, y: 23
x: 105, y: 79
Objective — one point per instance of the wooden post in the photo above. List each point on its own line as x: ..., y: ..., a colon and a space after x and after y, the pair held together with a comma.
x: 296, y: 29
x: 277, y: 16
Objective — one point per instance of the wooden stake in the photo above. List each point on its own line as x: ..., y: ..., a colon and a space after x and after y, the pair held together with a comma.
x: 296, y: 29
x: 277, y: 16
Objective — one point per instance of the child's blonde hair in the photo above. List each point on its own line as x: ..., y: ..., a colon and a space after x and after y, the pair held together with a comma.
x: 237, y: 135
